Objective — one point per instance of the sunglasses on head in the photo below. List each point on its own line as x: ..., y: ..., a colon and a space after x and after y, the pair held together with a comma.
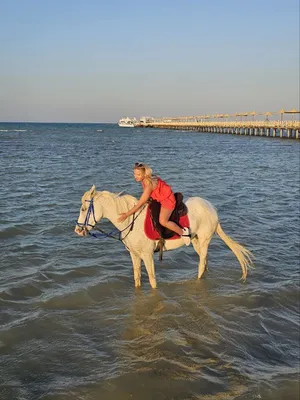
x: 139, y: 165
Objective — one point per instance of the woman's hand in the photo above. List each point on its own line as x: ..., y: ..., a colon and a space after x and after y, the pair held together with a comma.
x: 122, y: 217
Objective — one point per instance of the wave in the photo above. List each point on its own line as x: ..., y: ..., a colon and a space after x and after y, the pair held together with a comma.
x: 20, y: 230
x: 13, y: 130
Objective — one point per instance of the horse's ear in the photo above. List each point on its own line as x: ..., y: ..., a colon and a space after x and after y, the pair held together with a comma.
x: 93, y: 191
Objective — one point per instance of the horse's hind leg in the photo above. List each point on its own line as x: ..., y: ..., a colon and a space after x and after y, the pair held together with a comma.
x: 201, y: 247
x: 136, y: 263
x: 203, y: 258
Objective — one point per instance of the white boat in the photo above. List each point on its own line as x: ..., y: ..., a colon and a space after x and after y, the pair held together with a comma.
x: 128, y: 122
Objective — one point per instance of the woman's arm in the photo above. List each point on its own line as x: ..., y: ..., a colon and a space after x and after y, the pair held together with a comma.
x: 143, y: 199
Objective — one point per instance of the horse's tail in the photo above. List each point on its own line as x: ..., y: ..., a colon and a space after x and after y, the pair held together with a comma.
x: 242, y: 254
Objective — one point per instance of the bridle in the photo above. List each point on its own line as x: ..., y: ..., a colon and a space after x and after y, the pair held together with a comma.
x: 91, y: 211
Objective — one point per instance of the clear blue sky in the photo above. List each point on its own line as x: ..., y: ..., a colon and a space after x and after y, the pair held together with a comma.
x: 99, y: 60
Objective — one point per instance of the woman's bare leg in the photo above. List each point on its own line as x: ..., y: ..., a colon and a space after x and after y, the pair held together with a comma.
x: 164, y: 216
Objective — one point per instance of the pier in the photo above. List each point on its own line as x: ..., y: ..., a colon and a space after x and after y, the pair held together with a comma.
x: 220, y: 123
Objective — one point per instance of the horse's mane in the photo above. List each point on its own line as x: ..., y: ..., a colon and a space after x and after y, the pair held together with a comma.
x: 122, y: 203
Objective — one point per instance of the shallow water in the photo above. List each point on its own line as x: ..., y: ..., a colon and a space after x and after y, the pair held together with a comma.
x: 72, y: 324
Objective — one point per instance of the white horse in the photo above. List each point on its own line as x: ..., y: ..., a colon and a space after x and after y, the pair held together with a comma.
x: 203, y: 224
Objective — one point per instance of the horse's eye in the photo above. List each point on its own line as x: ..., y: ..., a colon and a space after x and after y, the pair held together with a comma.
x: 82, y: 209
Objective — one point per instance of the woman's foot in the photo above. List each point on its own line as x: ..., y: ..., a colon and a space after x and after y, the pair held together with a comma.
x: 186, y: 236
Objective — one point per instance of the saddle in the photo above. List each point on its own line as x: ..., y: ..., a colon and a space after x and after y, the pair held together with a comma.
x: 176, y: 216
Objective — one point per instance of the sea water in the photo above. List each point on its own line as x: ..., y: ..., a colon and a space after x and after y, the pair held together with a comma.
x: 72, y: 325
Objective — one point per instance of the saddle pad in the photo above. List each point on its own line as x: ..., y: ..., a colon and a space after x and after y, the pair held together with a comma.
x: 152, y: 233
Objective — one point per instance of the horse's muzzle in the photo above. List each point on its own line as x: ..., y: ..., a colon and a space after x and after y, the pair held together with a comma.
x: 80, y: 231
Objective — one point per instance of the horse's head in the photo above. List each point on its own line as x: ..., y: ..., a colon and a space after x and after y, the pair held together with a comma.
x: 87, y: 217
x: 97, y: 205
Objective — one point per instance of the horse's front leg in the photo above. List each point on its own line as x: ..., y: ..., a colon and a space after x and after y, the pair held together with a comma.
x: 136, y: 263
x: 149, y: 264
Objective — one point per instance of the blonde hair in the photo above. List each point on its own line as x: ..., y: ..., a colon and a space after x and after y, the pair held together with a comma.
x: 146, y: 170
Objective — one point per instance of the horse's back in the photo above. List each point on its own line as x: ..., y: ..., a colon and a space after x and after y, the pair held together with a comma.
x: 201, y: 213
x: 200, y: 203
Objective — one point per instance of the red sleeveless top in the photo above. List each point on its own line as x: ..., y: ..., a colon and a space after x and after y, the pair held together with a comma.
x: 163, y: 194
